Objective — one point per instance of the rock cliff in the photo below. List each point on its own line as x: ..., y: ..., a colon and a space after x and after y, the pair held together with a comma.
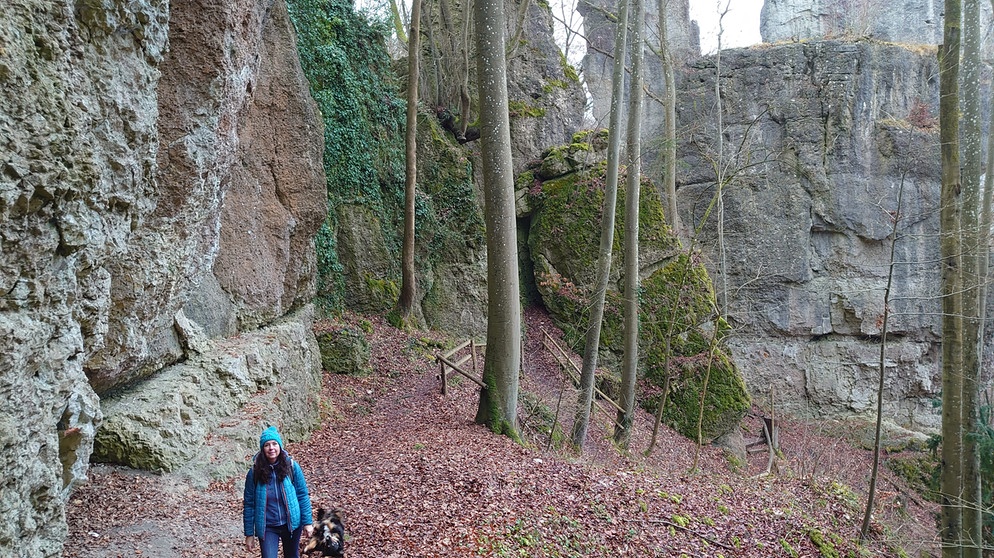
x: 915, y: 22
x: 160, y: 188
x: 819, y: 142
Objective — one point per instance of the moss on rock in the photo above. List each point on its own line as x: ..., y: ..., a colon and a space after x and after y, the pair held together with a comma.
x: 344, y: 350
x: 677, y: 299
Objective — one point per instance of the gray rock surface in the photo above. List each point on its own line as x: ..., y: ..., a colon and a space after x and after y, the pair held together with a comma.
x: 599, y: 18
x: 819, y: 140
x: 225, y: 393
x: 539, y: 80
x: 149, y: 202
x: 913, y: 22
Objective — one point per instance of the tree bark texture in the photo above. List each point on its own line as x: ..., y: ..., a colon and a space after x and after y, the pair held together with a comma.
x: 592, y: 341
x: 499, y: 401
x: 952, y: 306
x: 408, y: 286
x: 629, y: 365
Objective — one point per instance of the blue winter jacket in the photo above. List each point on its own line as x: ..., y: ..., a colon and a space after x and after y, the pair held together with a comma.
x: 254, y: 510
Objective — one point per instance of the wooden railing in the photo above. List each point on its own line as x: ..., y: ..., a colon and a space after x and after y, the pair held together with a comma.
x: 573, y: 371
x: 450, y: 360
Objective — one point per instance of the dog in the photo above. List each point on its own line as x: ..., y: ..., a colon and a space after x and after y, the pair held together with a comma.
x: 329, y: 535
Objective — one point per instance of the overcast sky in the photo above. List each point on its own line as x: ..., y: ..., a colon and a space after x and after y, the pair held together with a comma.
x: 741, y: 22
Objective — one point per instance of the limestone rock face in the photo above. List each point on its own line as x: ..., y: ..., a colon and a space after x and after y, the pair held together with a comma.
x: 161, y: 424
x: 546, y: 97
x: 822, y: 139
x: 599, y: 26
x: 77, y: 149
x: 917, y: 22
x: 160, y: 187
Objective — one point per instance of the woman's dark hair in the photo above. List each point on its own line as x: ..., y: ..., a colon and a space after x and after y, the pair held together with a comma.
x: 261, y: 468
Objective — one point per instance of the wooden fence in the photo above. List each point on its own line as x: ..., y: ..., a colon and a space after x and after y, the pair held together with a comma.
x: 450, y: 360
x: 573, y: 371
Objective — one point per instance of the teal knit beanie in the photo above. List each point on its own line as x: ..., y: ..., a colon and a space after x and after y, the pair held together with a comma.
x: 270, y: 434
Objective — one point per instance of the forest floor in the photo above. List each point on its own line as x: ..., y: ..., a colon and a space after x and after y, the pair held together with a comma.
x: 412, y: 475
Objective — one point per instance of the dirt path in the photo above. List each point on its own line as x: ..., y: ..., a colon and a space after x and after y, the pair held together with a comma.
x: 413, y: 476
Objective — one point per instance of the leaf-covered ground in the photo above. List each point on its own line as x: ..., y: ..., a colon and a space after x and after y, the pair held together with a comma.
x: 413, y: 476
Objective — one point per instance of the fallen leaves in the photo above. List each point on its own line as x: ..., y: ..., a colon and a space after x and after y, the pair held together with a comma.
x: 414, y: 476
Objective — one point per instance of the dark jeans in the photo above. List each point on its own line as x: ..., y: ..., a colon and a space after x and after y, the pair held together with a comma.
x: 271, y: 544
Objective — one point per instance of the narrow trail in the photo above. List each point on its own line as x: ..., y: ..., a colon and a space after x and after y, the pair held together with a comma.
x: 412, y: 475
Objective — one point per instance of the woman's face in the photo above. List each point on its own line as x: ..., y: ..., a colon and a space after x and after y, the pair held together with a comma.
x: 271, y: 450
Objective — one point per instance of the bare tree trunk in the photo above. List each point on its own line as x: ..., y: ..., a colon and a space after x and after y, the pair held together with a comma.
x: 629, y: 366
x: 465, y: 104
x: 669, y: 130
x: 666, y: 359
x: 974, y: 241
x: 398, y: 21
x: 720, y: 168
x: 408, y: 286
x: 865, y: 528
x: 592, y: 342
x: 499, y: 401
x: 952, y: 308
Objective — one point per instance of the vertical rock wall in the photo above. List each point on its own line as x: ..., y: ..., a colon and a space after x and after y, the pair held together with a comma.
x: 77, y: 158
x: 913, y: 22
x: 819, y: 141
x: 599, y: 18
x: 160, y: 187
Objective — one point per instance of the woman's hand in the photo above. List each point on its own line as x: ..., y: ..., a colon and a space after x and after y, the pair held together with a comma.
x: 250, y: 543
x: 308, y: 530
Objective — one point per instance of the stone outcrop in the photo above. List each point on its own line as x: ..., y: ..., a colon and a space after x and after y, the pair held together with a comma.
x: 820, y: 140
x: 160, y: 188
x: 599, y: 18
x: 913, y: 22
x: 562, y: 202
x: 547, y: 100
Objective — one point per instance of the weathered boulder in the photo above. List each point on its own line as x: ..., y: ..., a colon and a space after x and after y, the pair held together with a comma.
x: 820, y: 139
x: 344, y: 350
x: 676, y: 297
x: 163, y: 424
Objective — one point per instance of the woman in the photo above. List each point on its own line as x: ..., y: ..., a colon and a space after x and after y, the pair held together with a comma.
x: 276, y: 504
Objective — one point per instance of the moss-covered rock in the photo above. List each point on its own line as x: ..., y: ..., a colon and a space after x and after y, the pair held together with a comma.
x: 677, y: 300
x: 344, y: 350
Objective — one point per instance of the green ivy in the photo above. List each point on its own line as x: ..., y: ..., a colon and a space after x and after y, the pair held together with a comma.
x: 347, y: 66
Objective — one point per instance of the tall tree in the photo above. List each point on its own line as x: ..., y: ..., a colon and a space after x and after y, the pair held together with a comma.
x: 592, y: 341
x: 398, y: 21
x: 629, y: 364
x: 669, y: 125
x: 408, y: 286
x: 875, y: 467
x: 975, y: 241
x: 499, y: 400
x: 952, y: 306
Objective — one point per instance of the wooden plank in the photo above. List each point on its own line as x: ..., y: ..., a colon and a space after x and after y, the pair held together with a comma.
x: 444, y: 382
x: 572, y: 364
x: 451, y: 365
x: 461, y: 346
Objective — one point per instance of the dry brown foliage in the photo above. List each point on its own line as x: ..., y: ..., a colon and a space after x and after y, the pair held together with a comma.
x: 413, y: 476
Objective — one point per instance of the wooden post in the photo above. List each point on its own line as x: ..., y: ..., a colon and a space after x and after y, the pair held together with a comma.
x: 472, y: 350
x: 444, y: 382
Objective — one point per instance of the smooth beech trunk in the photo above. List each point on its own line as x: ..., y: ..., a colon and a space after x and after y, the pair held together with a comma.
x: 592, y: 341
x: 408, y: 285
x: 629, y: 364
x: 499, y: 400
x: 952, y: 299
